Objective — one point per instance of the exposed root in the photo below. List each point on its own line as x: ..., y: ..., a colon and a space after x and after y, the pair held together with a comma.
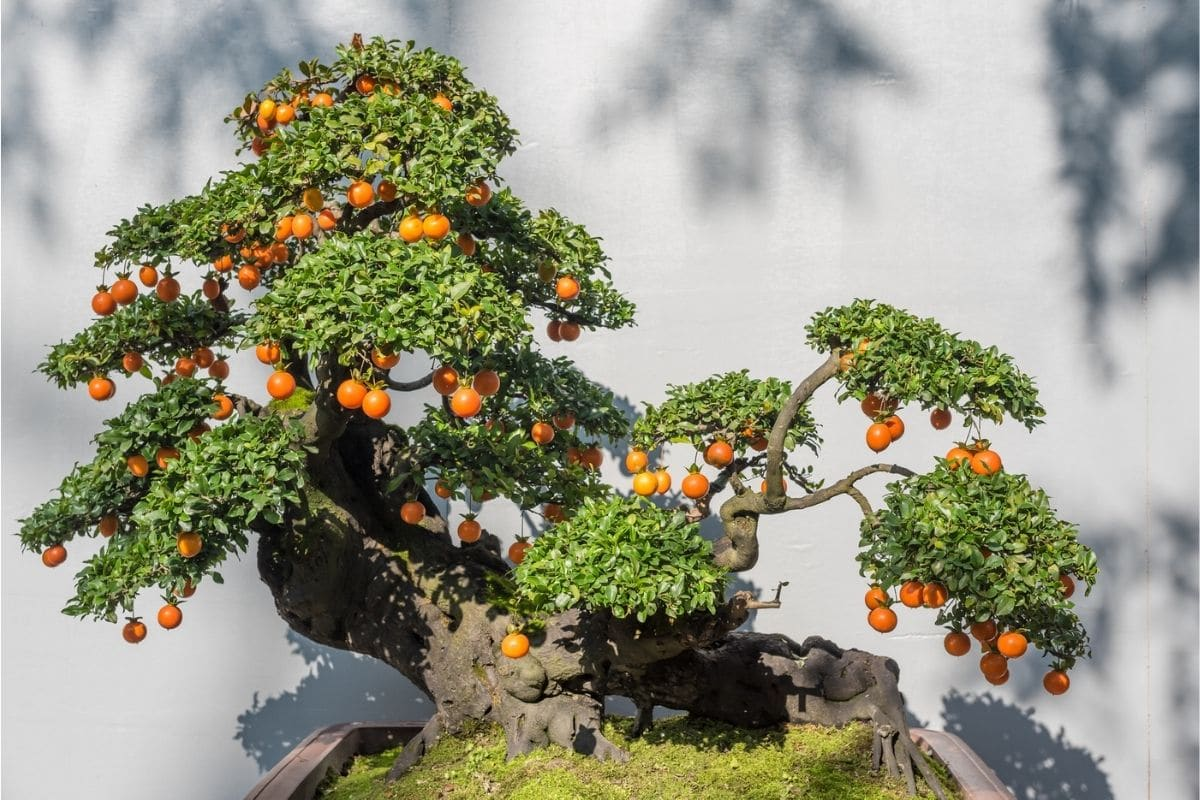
x: 568, y: 720
x: 416, y: 748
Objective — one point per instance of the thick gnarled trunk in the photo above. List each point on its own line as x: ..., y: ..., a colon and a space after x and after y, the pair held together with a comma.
x: 348, y: 573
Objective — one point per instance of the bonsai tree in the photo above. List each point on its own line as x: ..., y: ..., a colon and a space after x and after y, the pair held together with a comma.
x: 369, y: 226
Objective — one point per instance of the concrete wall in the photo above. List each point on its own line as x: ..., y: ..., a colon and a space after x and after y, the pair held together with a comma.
x: 1025, y: 172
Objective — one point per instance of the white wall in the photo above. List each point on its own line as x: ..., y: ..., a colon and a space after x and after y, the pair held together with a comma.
x: 755, y: 165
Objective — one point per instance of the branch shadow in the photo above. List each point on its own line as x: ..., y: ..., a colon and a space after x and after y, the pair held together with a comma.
x: 339, y: 687
x: 732, y: 71
x: 1106, y: 74
x: 1034, y: 762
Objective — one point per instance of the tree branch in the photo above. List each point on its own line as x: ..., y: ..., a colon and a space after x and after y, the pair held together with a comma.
x: 844, y: 486
x: 408, y: 386
x: 775, y: 494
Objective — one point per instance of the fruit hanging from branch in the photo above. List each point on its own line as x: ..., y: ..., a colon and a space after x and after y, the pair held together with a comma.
x: 370, y: 226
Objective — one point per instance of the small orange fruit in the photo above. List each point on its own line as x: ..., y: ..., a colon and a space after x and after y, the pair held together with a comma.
x: 1056, y: 682
x: 541, y: 432
x: 878, y: 437
x: 718, y: 454
x: 957, y: 456
x: 138, y: 465
x: 479, y: 194
x: 134, y: 631
x: 515, y: 645
x: 445, y: 380
x: 189, y: 544
x: 567, y: 288
x: 1012, y: 644
x: 466, y: 402
x: 411, y: 228
x: 281, y: 384
x: 875, y: 597
x: 664, y: 481
x: 376, y: 404
x: 101, y: 388
x: 350, y: 393
x: 895, y: 427
x: 645, y: 483
x: 486, y: 382
x: 934, y: 595
x: 412, y: 512
x: 435, y: 226
x: 224, y: 407
x: 169, y: 616
x: 469, y: 530
x: 694, y: 485
x: 910, y: 594
x: 882, y: 619
x: 54, y: 555
x: 984, y: 631
x: 957, y: 643
x: 107, y: 526
x: 360, y: 194
x: 517, y: 550
x: 940, y: 418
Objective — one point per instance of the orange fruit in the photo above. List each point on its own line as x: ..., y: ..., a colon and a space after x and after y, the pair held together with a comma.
x: 882, y: 619
x: 283, y: 228
x: 211, y: 289
x: 445, y: 380
x: 148, y: 275
x: 411, y: 228
x: 101, y: 388
x: 694, y: 485
x: 443, y: 101
x: 365, y: 84
x: 993, y: 665
x: 281, y: 384
x: 54, y: 555
x: 167, y: 289
x: 873, y: 405
x: 486, y: 382
x: 189, y: 544
x: 360, y: 194
x: 554, y: 330
x: 940, y: 419
x: 984, y: 631
x: 132, y: 361
x: 466, y: 243
x: 376, y: 404
x: 322, y: 99
x: 412, y: 512
x: 985, y: 462
x: 165, y: 456
x: 517, y: 550
x: 718, y: 454
x: 645, y: 483
x: 879, y: 436
x: 934, y: 595
x: 387, y: 191
x: 636, y: 460
x: 515, y: 645
x: 569, y: 331
x: 103, y: 303
x: 224, y: 407
x: 107, y: 525
x: 664, y: 481
x: 466, y: 402
x: 567, y: 288
x: 1056, y: 682
x: 553, y: 512
x: 957, y: 456
x: 204, y: 358
x: 957, y: 643
x: 875, y: 597
x: 762, y: 488
x: 592, y: 457
x: 564, y: 420
x: 910, y: 594
x: 350, y: 393
x: 169, y: 616
x: 895, y: 427
x: 302, y: 226
x: 124, y: 291
x: 541, y: 432
x: 134, y: 631
x: 1012, y: 644
x: 435, y: 226
x: 312, y: 199
x: 997, y: 680
x: 384, y: 360
x: 185, y: 366
x: 469, y: 530
x: 284, y: 114
x: 1068, y: 584
x: 479, y: 194
x: 138, y: 465
x: 219, y: 369
x: 441, y: 490
x: 249, y: 277
x: 267, y: 352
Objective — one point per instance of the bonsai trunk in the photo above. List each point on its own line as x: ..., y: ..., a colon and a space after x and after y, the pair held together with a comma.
x: 346, y: 572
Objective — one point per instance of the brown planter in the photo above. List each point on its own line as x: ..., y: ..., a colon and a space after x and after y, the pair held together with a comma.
x: 299, y: 774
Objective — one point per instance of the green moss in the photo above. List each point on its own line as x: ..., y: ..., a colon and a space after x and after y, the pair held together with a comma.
x: 299, y: 400
x: 679, y: 757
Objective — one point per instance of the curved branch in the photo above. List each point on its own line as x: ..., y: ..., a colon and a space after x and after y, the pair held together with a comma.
x: 827, y: 370
x: 844, y: 486
x: 408, y: 386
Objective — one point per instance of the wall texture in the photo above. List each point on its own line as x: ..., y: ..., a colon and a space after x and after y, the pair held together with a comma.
x: 1024, y: 172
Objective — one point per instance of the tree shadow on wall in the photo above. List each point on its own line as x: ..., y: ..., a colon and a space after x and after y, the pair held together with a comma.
x: 1035, y: 763
x: 339, y: 687
x: 1116, y: 66
x: 739, y: 70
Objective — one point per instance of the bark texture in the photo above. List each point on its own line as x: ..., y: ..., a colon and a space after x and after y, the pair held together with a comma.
x: 347, y: 572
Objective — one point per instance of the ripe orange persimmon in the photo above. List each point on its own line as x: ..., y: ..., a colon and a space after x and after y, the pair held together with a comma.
x: 517, y: 550
x: 466, y: 402
x: 645, y: 483
x: 910, y: 594
x: 283, y: 228
x: 219, y: 369
x: 169, y: 616
x: 412, y: 512
x: 442, y: 490
x: 387, y: 191
x: 541, y: 432
x: 569, y: 331
x: 1068, y: 584
x: 957, y: 643
x: 882, y: 619
x: 878, y: 437
x: 564, y: 420
x: 469, y: 530
x: 895, y: 427
x: 376, y: 404
x: 107, y: 525
x: 165, y: 456
x: 249, y: 277
x: 185, y: 366
x: 302, y: 226
x: 443, y: 101
x: 993, y: 665
x: 211, y: 288
x: 124, y: 291
x: 132, y: 361
x: 148, y: 275
x: 985, y: 462
x: 384, y: 360
x: 1012, y: 644
x: 592, y: 457
x: 940, y: 419
x: 515, y: 645
x: 957, y: 456
x: 664, y: 481
x: 167, y: 289
x: 360, y: 194
x: 636, y: 460
x: 267, y: 352
x: 718, y: 454
x: 1056, y: 682
x: 984, y: 631
x: 435, y: 226
x: 466, y: 243
x: 486, y: 382
x: 762, y: 487
x: 350, y: 393
x: 54, y: 555
x: 189, y: 544
x: 312, y: 199
x: 224, y: 407
x: 134, y: 631
x: 875, y: 597
x: 138, y: 465
x: 285, y: 113
x: 873, y: 405
x: 103, y: 303
x: 281, y: 384
x: 479, y: 194
x: 567, y: 288
x: 445, y: 380
x: 694, y: 485
x: 365, y: 84
x: 553, y: 512
x: 554, y: 330
x: 934, y: 595
x: 411, y: 229
x: 322, y: 100
x: 101, y: 388
x: 204, y: 357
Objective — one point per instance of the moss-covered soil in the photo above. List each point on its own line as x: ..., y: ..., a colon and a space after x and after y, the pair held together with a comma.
x: 678, y: 758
